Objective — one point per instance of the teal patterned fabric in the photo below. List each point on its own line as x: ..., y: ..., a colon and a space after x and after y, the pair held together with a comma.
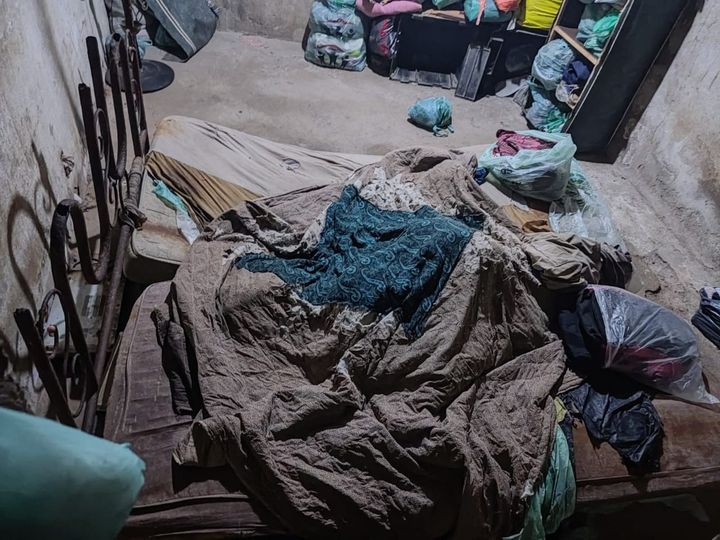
x: 374, y: 259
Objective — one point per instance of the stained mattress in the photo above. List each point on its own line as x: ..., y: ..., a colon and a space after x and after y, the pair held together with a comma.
x: 211, y: 502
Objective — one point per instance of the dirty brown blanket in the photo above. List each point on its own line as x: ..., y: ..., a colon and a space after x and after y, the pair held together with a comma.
x: 330, y: 415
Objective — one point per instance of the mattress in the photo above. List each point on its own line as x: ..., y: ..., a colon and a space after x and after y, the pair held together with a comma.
x: 212, y: 503
x: 213, y: 168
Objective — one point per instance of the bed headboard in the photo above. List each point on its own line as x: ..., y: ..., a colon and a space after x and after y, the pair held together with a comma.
x: 117, y: 190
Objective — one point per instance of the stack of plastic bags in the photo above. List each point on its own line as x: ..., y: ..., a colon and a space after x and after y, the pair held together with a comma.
x: 337, y: 36
x: 543, y: 111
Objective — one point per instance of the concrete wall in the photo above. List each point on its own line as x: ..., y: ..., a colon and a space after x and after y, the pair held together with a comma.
x: 283, y: 19
x: 675, y: 148
x: 42, y: 60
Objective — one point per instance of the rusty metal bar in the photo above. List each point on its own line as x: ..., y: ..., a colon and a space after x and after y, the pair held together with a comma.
x: 130, y: 217
x: 113, y: 66
x: 96, y: 169
x: 70, y: 208
x: 130, y: 94
x: 36, y: 349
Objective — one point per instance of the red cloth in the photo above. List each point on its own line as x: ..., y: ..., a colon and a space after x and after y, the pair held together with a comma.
x: 510, y: 143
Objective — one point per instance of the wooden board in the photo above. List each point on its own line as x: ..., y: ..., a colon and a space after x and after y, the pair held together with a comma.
x: 569, y: 35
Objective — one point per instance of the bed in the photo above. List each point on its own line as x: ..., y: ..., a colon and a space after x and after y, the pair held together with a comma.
x: 211, y: 502
x: 179, y: 501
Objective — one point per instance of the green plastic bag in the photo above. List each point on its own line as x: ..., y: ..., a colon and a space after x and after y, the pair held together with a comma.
x: 59, y: 482
x: 433, y: 114
x: 340, y: 22
x: 538, y: 174
x: 601, y: 32
x: 550, y: 63
x: 329, y: 51
x: 554, y: 499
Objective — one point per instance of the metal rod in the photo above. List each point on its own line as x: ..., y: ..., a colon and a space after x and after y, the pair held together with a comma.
x: 113, y: 66
x: 129, y: 94
x: 98, y: 176
x: 127, y: 224
x: 58, y: 404
x: 58, y: 264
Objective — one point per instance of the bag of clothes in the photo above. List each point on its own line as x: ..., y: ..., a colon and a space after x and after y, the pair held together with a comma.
x: 491, y: 12
x: 337, y: 36
x: 550, y: 63
x: 340, y: 22
x: 332, y: 52
x: 60, y: 482
x: 642, y: 340
x: 707, y: 318
x: 539, y: 13
x: 536, y: 173
x: 433, y: 114
x: 542, y: 112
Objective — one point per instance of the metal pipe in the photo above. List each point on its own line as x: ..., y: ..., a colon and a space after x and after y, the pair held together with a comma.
x: 98, y: 176
x: 130, y: 97
x: 29, y: 332
x: 129, y: 218
x: 58, y: 265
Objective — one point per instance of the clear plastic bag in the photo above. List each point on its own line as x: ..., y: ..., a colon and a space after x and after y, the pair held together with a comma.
x: 433, y: 114
x: 550, y: 63
x: 332, y: 52
x: 336, y: 21
x: 539, y: 174
x: 582, y: 211
x: 650, y: 344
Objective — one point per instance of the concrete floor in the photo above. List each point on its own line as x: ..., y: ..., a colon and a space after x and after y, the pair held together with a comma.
x: 264, y: 87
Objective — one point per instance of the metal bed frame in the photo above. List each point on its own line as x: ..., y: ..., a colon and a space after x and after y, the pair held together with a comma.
x: 117, y: 192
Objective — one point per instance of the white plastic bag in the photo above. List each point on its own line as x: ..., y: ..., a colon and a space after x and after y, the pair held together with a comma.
x: 538, y: 174
x: 650, y: 344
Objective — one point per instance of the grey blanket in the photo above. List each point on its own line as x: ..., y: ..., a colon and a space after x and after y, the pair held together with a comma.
x: 331, y: 415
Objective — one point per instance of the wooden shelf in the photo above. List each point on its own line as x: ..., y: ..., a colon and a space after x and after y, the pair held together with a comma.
x: 569, y: 35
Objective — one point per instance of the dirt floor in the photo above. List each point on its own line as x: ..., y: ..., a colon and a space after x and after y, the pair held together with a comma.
x: 264, y: 87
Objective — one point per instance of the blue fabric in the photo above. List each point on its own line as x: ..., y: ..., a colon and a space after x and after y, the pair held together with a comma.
x: 374, y: 259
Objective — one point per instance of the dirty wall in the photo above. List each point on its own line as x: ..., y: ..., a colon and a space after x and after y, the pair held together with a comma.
x: 42, y: 60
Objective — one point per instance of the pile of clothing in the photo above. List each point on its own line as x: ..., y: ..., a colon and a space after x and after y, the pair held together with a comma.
x: 558, y: 78
x: 597, y: 24
x: 382, y: 44
x: 337, y: 38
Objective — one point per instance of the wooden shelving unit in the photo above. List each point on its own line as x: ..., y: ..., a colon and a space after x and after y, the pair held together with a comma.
x: 569, y: 35
x: 617, y: 73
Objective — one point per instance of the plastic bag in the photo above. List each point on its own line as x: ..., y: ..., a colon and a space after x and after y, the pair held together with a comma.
x: 383, y: 38
x: 541, y: 108
x: 433, y: 114
x: 650, y: 344
x: 601, y: 32
x: 707, y: 317
x: 554, y: 499
x: 59, y: 482
x: 539, y: 174
x: 550, y: 63
x: 490, y: 14
x: 582, y: 211
x: 539, y: 13
x: 332, y: 52
x: 340, y: 22
x: 185, y: 224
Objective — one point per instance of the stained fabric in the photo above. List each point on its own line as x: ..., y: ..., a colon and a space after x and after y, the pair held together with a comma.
x: 510, y: 143
x: 707, y: 318
x: 615, y: 411
x: 329, y: 415
x: 375, y: 259
x: 571, y: 262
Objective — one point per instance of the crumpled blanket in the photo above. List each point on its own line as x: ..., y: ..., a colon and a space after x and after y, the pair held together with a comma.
x: 331, y: 415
